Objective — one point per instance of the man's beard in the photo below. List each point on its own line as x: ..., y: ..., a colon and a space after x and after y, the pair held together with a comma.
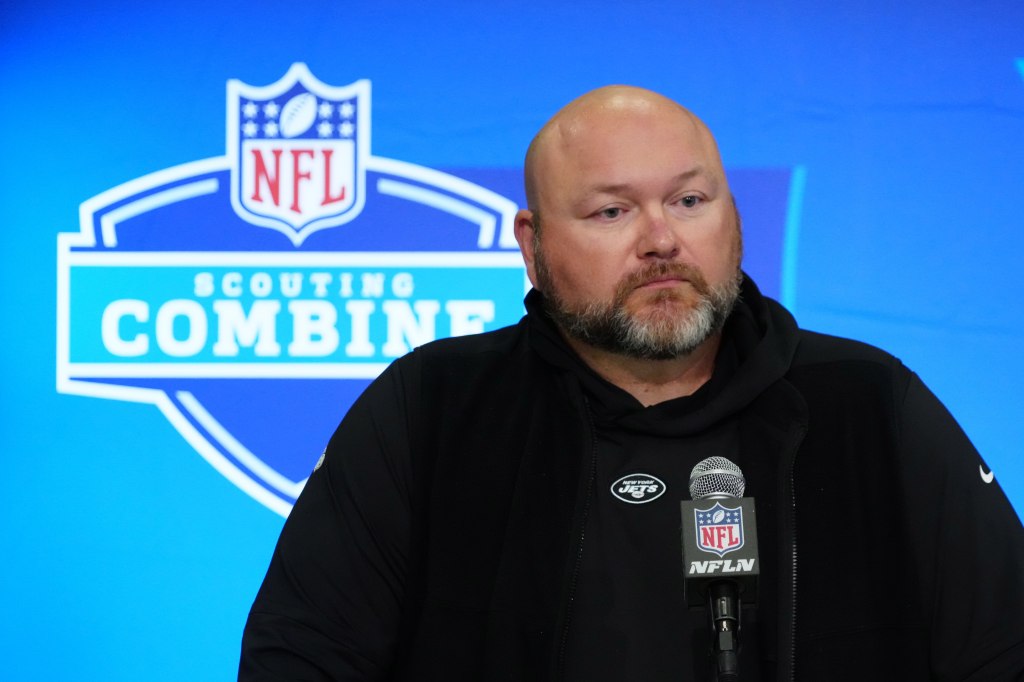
x: 661, y: 331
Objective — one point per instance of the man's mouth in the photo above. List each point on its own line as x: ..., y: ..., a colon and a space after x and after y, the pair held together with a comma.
x: 663, y: 282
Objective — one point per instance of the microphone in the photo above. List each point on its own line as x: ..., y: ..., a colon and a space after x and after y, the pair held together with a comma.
x: 720, y: 560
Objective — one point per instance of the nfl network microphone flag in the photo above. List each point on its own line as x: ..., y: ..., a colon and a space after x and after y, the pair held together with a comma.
x: 719, y: 542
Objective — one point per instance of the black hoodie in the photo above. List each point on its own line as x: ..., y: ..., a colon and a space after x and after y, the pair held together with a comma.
x: 450, y: 532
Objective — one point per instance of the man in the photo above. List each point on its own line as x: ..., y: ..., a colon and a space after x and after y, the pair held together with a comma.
x: 464, y: 523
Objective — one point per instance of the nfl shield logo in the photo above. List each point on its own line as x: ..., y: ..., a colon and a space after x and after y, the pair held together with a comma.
x: 719, y: 529
x: 298, y: 150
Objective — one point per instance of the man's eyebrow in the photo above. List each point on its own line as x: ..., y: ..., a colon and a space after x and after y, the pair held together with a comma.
x: 690, y: 174
x: 616, y: 188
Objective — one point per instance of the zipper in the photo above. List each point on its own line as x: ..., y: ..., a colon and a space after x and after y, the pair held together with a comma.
x: 797, y: 440
x: 792, y: 621
x: 578, y: 562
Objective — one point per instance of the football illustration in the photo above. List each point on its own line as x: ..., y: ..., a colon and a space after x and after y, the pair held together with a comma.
x: 298, y: 114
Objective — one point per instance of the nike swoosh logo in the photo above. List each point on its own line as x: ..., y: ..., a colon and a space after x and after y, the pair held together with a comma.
x: 987, y: 477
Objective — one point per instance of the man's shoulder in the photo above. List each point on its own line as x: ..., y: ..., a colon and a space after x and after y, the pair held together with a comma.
x: 501, y: 341
x: 832, y: 368
x: 460, y: 358
x: 816, y: 348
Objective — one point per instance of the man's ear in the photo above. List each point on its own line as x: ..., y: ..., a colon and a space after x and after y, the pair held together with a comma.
x: 526, y: 231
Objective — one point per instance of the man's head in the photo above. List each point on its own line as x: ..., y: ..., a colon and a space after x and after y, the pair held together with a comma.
x: 631, y: 232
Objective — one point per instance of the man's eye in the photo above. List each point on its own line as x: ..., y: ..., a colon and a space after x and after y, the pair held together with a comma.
x: 611, y: 213
x: 690, y: 200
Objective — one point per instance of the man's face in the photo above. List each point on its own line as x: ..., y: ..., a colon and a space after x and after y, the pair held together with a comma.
x: 638, y: 246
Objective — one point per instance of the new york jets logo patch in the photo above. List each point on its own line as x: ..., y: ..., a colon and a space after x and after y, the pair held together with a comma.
x: 638, y: 488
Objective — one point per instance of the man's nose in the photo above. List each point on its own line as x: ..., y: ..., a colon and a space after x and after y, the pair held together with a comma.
x: 657, y: 238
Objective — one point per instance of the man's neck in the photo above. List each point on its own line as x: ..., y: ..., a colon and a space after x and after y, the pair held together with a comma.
x: 652, y: 381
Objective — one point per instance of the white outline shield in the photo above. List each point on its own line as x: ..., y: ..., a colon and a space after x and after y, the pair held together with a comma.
x: 298, y: 150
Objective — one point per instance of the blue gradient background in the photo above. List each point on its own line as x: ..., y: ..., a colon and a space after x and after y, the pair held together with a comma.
x: 126, y: 556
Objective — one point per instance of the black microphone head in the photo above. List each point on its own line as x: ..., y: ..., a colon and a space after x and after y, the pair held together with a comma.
x: 716, y: 477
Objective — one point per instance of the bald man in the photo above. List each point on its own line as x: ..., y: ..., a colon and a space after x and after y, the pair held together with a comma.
x: 641, y: 265
x: 506, y: 506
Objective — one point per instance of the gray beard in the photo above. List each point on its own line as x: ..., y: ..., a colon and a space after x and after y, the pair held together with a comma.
x: 610, y: 327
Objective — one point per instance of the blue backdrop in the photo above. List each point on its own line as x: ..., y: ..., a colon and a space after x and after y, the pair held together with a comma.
x: 877, y: 151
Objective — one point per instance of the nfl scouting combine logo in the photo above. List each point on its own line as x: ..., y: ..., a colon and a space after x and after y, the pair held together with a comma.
x: 252, y: 296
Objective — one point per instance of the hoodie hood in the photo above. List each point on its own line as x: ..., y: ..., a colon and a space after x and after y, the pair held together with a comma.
x: 759, y: 340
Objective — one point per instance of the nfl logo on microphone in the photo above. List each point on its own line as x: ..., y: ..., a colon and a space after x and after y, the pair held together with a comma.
x: 719, y: 529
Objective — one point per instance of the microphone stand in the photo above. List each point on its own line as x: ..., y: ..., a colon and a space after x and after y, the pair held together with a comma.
x: 724, y: 610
